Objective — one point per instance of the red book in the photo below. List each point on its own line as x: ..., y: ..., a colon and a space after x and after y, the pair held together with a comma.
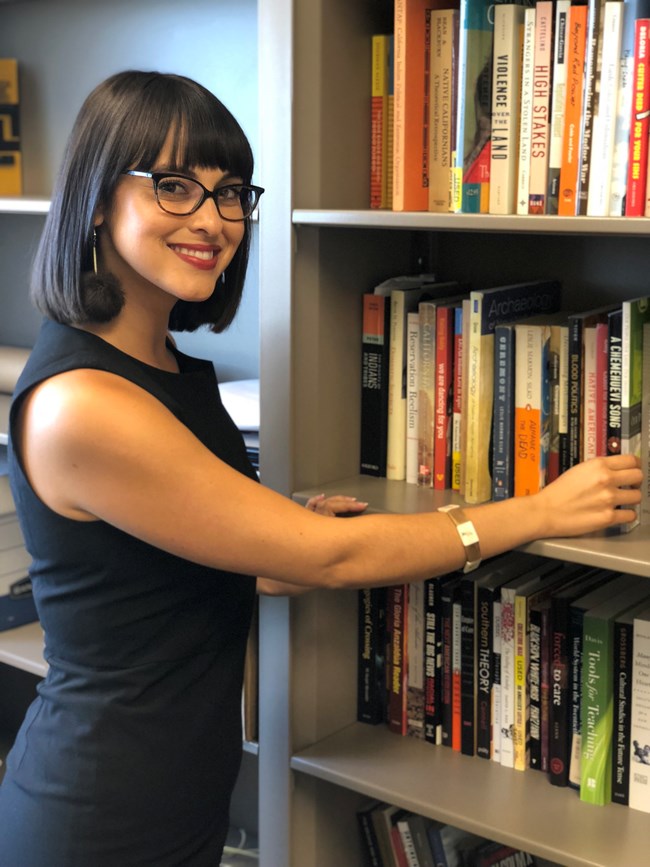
x: 637, y: 170
x: 576, y: 45
x: 396, y: 620
x: 445, y: 317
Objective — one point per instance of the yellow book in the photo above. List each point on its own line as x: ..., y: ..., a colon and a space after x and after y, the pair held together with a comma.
x: 11, y: 183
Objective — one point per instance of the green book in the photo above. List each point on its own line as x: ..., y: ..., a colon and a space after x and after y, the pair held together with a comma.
x: 597, y: 712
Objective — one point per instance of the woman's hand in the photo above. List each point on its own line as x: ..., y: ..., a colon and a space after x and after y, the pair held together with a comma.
x: 592, y: 495
x: 335, y: 505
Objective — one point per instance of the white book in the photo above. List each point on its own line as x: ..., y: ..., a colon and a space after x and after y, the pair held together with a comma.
x: 618, y: 182
x: 412, y: 430
x: 496, y: 686
x: 558, y: 100
x: 506, y: 84
x: 526, y: 110
x: 604, y: 123
x: 639, y: 795
x: 541, y: 119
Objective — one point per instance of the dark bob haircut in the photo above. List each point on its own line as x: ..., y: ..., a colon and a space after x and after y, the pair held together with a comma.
x: 123, y: 124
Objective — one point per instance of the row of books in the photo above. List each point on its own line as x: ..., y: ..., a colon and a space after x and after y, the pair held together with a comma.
x: 392, y: 837
x: 495, y: 392
x: 528, y: 662
x: 531, y: 108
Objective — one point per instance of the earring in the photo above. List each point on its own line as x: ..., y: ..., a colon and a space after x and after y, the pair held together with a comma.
x: 95, y: 251
x: 223, y: 277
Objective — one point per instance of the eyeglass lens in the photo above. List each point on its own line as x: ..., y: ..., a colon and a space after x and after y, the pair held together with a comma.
x: 179, y: 195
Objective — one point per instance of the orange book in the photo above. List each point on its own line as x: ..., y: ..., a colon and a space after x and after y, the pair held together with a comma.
x: 532, y: 419
x: 567, y: 199
x: 412, y: 41
x: 11, y: 180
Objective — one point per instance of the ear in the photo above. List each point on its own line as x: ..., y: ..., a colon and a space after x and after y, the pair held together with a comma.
x: 99, y: 217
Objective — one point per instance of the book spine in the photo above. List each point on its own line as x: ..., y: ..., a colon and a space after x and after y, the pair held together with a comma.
x: 568, y: 194
x: 506, y: 85
x: 504, y: 413
x: 558, y: 100
x: 371, y: 674
x: 468, y: 667
x: 554, y: 387
x: 371, y: 848
x: 521, y: 749
x: 622, y: 707
x: 412, y: 428
x: 535, y: 687
x: 507, y: 677
x: 396, y: 445
x: 426, y: 393
x: 639, y: 123
x: 410, y: 118
x: 415, y: 660
x: 602, y: 385
x: 444, y: 47
x: 11, y: 173
x: 531, y: 408
x: 432, y: 731
x: 563, y: 399
x: 374, y: 384
x: 614, y: 380
x: 589, y: 410
x: 446, y: 605
x: 576, y: 619
x: 593, y: 54
x: 526, y: 111
x: 639, y: 788
x: 378, y: 120
x: 602, y: 153
x: 597, y: 726
x: 546, y: 688
x: 456, y: 456
x: 575, y: 389
x: 618, y: 183
x: 444, y: 378
x: 484, y: 658
x: 559, y: 706
x: 541, y: 108
x: 456, y: 670
x: 397, y: 692
x: 496, y: 679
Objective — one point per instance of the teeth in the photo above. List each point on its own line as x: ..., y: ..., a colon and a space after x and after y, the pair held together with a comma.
x: 197, y: 254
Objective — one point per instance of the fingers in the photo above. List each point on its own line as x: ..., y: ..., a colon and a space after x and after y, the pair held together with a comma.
x: 335, y: 505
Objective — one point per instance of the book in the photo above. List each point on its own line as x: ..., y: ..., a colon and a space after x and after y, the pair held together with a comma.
x: 614, y: 380
x: 539, y: 665
x: 506, y: 86
x: 578, y: 322
x: 489, y: 307
x: 457, y: 398
x: 471, y: 152
x: 558, y: 102
x: 374, y: 384
x: 371, y: 655
x: 396, y: 624
x: 444, y: 381
x: 11, y: 172
x: 379, y: 166
x: 369, y: 842
x: 410, y: 854
x: 594, y: 340
x: 448, y: 591
x: 419, y: 828
x: 412, y: 20
x: 560, y: 733
x: 541, y: 108
x: 412, y: 396
x: 576, y: 54
x: 604, y: 121
x: 622, y: 701
x: 591, y: 92
x: 639, y: 783
x: 468, y: 663
x: 415, y: 659
x: 405, y: 295
x: 532, y: 407
x: 503, y: 412
x: 614, y: 586
x: 384, y: 818
x: 442, y: 105
x: 456, y: 666
x: 526, y: 110
x: 558, y: 374
x: 493, y: 575
x: 637, y: 169
x: 597, y: 701
x: 426, y: 392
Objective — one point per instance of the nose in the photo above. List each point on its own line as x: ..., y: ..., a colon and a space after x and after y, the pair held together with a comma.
x: 207, y: 215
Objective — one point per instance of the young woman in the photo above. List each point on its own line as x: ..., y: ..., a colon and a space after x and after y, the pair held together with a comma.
x: 144, y: 519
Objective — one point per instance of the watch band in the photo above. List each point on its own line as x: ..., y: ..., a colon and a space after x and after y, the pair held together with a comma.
x: 468, y: 536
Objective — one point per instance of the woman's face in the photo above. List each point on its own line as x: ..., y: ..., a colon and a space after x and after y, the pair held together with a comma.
x: 147, y: 248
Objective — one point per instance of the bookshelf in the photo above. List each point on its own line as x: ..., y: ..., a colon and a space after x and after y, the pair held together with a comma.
x: 321, y: 248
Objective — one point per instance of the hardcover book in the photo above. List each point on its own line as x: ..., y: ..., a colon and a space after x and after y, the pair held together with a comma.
x: 532, y: 407
x: 576, y: 50
x: 637, y: 170
x: 541, y: 108
x: 374, y: 384
x: 371, y: 654
x: 442, y: 105
x: 558, y: 101
x: 639, y: 788
x: 526, y: 110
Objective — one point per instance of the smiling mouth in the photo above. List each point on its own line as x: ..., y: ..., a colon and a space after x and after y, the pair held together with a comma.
x: 203, y: 255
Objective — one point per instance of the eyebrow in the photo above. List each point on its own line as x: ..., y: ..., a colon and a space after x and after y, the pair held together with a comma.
x: 228, y: 177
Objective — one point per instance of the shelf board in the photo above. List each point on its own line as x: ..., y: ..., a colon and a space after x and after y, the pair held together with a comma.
x: 24, y: 205
x: 380, y: 219
x: 23, y: 648
x: 623, y: 552
x: 514, y: 807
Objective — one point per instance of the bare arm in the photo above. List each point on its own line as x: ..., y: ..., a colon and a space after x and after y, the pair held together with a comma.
x: 97, y: 446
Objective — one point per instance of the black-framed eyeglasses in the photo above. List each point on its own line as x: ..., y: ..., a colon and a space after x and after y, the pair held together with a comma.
x: 179, y: 195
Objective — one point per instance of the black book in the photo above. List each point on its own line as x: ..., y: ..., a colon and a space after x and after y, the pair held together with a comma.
x: 371, y: 671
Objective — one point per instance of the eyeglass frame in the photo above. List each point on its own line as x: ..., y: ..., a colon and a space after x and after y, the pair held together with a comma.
x: 156, y: 177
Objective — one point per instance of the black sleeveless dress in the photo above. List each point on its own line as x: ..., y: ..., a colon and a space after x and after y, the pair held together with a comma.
x: 129, y: 754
